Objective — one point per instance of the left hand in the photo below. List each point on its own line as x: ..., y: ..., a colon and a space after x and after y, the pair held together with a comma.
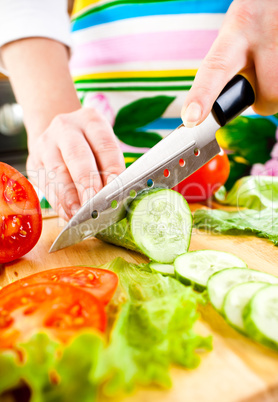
x: 248, y: 39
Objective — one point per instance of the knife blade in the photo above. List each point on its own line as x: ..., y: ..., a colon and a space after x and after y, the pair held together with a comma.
x: 169, y: 162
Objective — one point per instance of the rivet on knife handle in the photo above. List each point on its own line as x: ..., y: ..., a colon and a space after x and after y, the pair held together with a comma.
x: 237, y: 96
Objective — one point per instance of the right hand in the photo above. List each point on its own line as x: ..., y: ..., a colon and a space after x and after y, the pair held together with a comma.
x: 73, y: 159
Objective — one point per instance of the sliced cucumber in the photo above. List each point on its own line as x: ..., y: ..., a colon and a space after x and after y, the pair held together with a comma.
x: 158, y: 224
x: 261, y: 316
x: 195, y: 267
x: 164, y: 269
x: 236, y: 300
x: 221, y: 282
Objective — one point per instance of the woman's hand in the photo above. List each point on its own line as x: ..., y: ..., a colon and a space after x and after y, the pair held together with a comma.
x: 72, y: 151
x: 248, y: 39
x: 73, y: 159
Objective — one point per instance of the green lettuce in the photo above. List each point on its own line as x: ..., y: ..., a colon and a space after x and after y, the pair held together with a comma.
x: 254, y: 192
x: 262, y: 223
x: 153, y: 329
x: 51, y: 371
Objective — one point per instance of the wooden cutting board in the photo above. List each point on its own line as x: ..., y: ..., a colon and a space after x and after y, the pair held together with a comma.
x: 236, y: 370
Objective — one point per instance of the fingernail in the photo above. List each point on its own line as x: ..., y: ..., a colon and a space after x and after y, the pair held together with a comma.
x: 191, y: 115
x: 74, y: 208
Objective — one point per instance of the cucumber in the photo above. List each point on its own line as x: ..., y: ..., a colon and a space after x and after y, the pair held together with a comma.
x: 261, y: 316
x: 158, y: 224
x: 195, y: 268
x: 163, y: 269
x: 221, y: 282
x: 236, y: 300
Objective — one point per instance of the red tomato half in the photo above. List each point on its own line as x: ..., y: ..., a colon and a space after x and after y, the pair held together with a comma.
x: 205, y: 181
x: 99, y: 282
x: 20, y: 214
x: 59, y: 309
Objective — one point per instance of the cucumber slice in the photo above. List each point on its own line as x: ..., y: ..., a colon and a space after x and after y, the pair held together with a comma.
x: 195, y: 268
x: 221, y: 282
x: 236, y: 300
x: 164, y: 269
x: 261, y: 317
x: 158, y: 224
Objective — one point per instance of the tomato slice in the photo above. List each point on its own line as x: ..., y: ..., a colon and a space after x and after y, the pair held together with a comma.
x: 99, y: 282
x: 20, y: 214
x: 58, y: 309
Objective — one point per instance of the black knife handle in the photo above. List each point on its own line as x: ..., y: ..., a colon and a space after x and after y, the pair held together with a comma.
x: 237, y: 96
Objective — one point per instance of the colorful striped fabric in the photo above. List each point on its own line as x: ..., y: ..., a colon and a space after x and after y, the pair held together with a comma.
x: 135, y: 60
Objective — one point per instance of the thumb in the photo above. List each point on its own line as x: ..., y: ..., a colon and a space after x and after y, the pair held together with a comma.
x: 227, y: 56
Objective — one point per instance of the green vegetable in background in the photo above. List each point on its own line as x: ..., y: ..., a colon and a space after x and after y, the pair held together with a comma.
x: 154, y: 329
x: 249, y: 140
x: 255, y: 192
x: 137, y: 114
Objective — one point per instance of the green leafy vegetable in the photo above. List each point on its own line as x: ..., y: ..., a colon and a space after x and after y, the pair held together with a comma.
x: 9, y: 373
x: 141, y: 112
x: 140, y: 138
x: 53, y: 372
x: 261, y: 223
x: 238, y: 137
x: 255, y: 192
x: 154, y: 329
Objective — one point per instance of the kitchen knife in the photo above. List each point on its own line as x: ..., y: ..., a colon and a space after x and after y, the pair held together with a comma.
x: 169, y: 162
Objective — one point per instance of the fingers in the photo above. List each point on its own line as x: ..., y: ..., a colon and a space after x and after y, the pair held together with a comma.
x: 75, y: 156
x: 247, y: 40
x: 58, y: 187
x: 44, y: 179
x: 81, y: 164
x: 266, y: 62
x: 105, y: 147
x: 226, y: 58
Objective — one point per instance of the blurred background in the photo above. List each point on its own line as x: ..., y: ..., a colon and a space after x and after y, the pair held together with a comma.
x: 13, y: 139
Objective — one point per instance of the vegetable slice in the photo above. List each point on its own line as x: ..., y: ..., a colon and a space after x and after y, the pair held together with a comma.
x: 163, y: 269
x: 20, y: 214
x: 59, y: 309
x: 221, y: 282
x: 99, y: 282
x: 236, y: 300
x: 158, y: 224
x: 261, y: 317
x: 195, y: 268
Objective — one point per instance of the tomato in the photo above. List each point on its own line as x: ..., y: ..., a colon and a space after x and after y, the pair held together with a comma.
x: 99, y: 282
x: 58, y: 309
x: 207, y: 180
x: 20, y: 214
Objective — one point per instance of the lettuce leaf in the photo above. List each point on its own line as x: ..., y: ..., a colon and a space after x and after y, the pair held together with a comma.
x: 254, y: 192
x: 53, y: 372
x: 153, y: 329
x: 261, y: 223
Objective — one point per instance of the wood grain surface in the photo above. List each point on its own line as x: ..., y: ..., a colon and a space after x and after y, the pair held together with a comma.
x: 236, y: 370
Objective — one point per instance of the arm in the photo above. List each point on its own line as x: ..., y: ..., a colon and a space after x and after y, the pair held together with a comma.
x: 72, y: 151
x: 41, y: 81
x: 247, y: 41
